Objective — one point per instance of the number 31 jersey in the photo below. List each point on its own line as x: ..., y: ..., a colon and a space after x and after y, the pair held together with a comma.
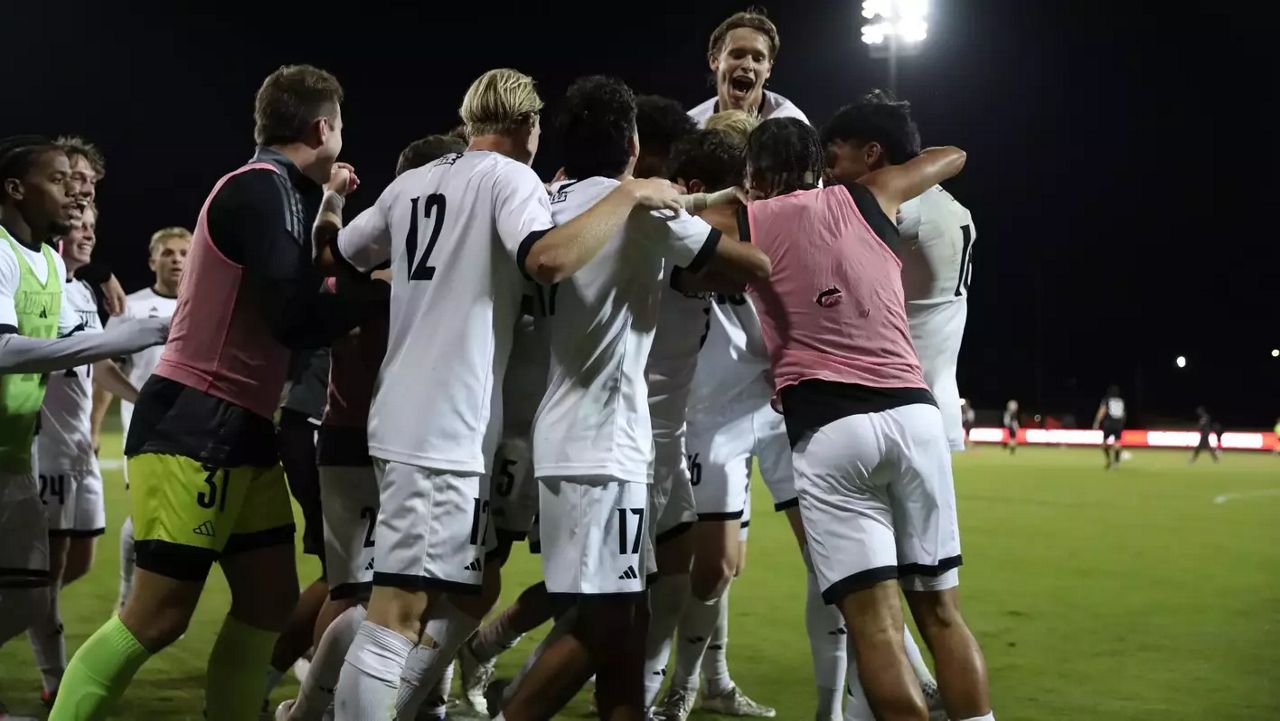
x: 937, y: 235
x: 455, y: 231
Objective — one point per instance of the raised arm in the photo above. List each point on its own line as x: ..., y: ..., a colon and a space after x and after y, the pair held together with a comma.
x: 895, y: 184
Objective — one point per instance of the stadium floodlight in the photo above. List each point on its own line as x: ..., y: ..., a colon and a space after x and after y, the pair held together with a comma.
x: 893, y: 28
x: 1181, y: 361
x: 1275, y: 352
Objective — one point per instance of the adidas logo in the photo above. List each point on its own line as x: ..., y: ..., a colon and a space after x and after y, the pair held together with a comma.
x: 474, y: 566
x: 204, y: 529
x: 842, y: 631
x: 628, y: 574
x: 370, y: 566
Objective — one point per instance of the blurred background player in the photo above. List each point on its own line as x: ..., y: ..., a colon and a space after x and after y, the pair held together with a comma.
x: 863, y: 425
x: 166, y: 257
x: 70, y: 480
x: 1110, y: 418
x: 968, y: 416
x: 347, y: 484
x: 741, y: 53
x: 1011, y: 426
x: 1206, y: 426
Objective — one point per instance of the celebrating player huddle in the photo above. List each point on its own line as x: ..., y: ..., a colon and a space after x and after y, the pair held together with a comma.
x: 591, y: 364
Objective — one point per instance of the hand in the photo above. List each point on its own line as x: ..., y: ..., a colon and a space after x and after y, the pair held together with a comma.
x: 342, y: 179
x: 113, y: 296
x: 655, y: 193
x: 383, y: 275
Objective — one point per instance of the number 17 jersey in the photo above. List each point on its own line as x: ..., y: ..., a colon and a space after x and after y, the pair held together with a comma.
x: 456, y: 232
x: 937, y: 235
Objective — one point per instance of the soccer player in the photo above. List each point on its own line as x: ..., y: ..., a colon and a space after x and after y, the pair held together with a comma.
x: 1011, y: 425
x: 88, y: 167
x: 459, y: 234
x: 872, y: 466
x: 348, y: 486
x: 592, y: 442
x: 167, y: 255
x: 205, y: 477
x: 35, y: 207
x: 661, y: 123
x: 1110, y: 418
x: 1205, y: 425
x: 70, y: 481
x: 741, y: 53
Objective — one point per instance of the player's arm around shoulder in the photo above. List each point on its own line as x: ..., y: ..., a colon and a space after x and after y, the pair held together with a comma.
x: 895, y: 184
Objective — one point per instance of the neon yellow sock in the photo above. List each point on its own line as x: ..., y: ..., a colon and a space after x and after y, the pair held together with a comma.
x: 235, y: 682
x: 99, y: 673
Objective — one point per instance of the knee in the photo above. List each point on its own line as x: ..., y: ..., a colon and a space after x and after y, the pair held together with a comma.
x: 710, y: 578
x: 159, y: 629
x: 935, y: 612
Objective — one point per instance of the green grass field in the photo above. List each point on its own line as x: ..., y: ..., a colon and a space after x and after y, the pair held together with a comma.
x: 1121, y: 595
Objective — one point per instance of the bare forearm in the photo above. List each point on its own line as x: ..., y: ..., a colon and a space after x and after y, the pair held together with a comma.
x: 324, y: 234
x: 565, y: 249
x: 101, y: 402
x: 108, y: 377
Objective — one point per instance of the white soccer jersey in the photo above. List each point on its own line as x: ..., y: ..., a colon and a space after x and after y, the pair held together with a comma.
x: 146, y: 303
x: 936, y: 248
x: 453, y: 231
x: 526, y: 379
x: 594, y: 419
x: 772, y: 105
x: 1115, y: 407
x: 733, y: 356
x: 65, y: 443
x: 673, y: 358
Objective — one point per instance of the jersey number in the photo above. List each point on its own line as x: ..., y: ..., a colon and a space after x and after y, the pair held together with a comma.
x: 369, y: 514
x: 508, y: 479
x: 622, y: 530
x: 211, y: 497
x: 53, y: 486
x: 479, y: 521
x: 966, y: 261
x: 695, y: 470
x: 432, y: 209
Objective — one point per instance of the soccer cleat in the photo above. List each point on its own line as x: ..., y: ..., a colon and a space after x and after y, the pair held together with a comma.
x: 282, y: 711
x: 476, y: 676
x: 675, y: 705
x: 735, y: 703
x: 933, y: 699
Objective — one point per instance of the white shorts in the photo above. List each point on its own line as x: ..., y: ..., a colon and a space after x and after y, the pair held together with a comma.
x: 722, y: 442
x: 515, y: 492
x: 671, y: 504
x: 24, y: 553
x: 73, y: 502
x: 878, y: 502
x: 433, y: 528
x: 349, y: 504
x: 595, y: 535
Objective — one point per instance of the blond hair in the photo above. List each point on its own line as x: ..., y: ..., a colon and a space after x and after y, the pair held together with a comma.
x: 159, y: 237
x: 737, y: 123
x: 499, y: 102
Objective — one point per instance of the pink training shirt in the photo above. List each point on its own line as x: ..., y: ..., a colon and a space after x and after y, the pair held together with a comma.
x: 219, y: 343
x: 833, y: 307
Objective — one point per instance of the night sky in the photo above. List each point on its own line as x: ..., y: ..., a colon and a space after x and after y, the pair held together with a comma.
x: 1120, y: 173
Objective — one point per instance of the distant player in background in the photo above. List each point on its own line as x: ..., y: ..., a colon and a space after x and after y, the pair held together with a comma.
x: 1276, y: 430
x: 967, y: 416
x: 1011, y: 426
x: 1207, y: 427
x: 70, y: 480
x: 1110, y: 418
x: 166, y: 257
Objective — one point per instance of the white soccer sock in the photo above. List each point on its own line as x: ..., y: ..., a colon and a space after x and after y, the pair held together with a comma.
x: 370, y: 674
x: 916, y: 659
x: 562, y: 627
x: 438, y: 700
x: 827, y: 643
x: 715, y: 661
x: 696, y: 626
x: 856, y: 705
x: 19, y: 608
x: 495, y: 636
x: 991, y: 716
x: 667, y: 598
x: 446, y: 629
x: 126, y: 561
x: 47, y: 643
x: 316, y: 693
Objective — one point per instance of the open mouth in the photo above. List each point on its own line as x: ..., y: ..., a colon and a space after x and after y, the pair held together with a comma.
x: 742, y: 85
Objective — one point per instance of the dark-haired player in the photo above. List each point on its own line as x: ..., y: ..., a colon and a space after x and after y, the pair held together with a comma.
x: 871, y: 457
x: 661, y: 122
x: 1110, y: 418
x: 204, y: 473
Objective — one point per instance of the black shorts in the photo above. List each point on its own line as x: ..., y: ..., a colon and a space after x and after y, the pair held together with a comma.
x: 1111, y: 432
x: 297, y: 440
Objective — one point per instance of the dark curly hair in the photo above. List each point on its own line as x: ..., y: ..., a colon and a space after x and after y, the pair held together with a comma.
x: 18, y: 154
x: 714, y: 157
x: 784, y: 155
x: 661, y: 122
x: 597, y: 121
x: 877, y: 117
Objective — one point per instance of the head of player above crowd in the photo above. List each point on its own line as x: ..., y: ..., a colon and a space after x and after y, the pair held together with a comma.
x: 741, y: 54
x: 598, y: 123
x: 502, y: 114
x: 783, y: 156
x: 36, y: 201
x: 868, y: 135
x: 424, y: 150
x: 708, y: 160
x: 167, y: 258
x: 88, y: 167
x: 78, y: 244
x: 298, y: 111
x: 661, y: 123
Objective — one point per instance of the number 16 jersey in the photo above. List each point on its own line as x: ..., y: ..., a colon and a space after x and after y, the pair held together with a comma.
x: 937, y: 235
x: 456, y: 232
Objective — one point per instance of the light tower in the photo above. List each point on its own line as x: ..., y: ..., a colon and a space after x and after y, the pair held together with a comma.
x: 894, y: 28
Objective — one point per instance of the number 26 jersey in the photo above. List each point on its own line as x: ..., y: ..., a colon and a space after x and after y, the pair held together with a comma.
x: 456, y: 232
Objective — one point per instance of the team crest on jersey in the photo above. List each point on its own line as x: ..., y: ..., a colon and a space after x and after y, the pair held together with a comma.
x: 449, y: 159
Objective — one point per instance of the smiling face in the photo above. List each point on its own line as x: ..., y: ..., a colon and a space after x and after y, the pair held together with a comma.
x: 77, y: 246
x: 742, y: 66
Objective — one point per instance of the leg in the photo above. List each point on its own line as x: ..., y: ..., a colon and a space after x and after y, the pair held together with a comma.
x: 316, y: 692
x: 478, y: 657
x: 962, y: 671
x: 667, y: 597
x: 370, y: 676
x: 126, y: 561
x: 874, y: 619
x: 80, y: 555
x: 45, y: 634
x: 298, y: 634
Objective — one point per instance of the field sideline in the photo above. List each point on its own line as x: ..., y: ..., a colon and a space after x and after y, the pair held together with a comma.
x: 1096, y: 595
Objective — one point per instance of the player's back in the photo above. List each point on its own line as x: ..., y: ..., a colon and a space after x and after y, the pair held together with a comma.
x: 145, y: 303
x: 455, y: 295
x: 1114, y: 406
x: 683, y: 326
x: 936, y: 249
